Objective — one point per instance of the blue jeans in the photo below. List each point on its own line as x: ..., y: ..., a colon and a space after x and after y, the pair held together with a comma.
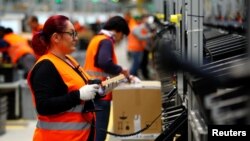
x: 102, y: 119
x: 136, y: 58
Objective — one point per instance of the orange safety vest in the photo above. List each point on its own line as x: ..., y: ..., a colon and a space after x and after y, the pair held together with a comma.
x: 89, y: 65
x: 134, y: 44
x: 71, y: 125
x: 19, y: 46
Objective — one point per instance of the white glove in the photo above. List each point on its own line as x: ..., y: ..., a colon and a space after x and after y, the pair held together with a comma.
x: 134, y: 79
x: 88, y: 92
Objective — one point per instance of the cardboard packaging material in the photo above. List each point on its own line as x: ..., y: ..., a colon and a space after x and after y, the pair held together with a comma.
x: 135, y: 106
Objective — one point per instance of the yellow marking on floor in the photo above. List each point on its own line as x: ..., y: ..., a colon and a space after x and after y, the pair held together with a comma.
x: 15, y: 127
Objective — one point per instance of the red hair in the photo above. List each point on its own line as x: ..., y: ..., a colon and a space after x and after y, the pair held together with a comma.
x: 41, y: 40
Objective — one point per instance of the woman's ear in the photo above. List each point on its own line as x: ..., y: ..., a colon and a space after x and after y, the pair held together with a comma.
x: 56, y: 37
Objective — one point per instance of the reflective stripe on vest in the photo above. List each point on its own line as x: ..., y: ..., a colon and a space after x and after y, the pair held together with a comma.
x: 63, y: 125
x: 77, y: 109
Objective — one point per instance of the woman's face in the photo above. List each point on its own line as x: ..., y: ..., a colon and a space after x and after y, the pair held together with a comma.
x: 68, y: 39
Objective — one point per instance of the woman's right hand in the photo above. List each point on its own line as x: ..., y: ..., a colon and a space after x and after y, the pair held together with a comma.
x: 88, y: 92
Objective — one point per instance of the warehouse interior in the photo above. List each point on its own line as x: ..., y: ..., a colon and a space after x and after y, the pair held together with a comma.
x: 198, y: 67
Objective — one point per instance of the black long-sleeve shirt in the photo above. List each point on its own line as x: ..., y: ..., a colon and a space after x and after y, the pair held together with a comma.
x: 104, y: 58
x: 3, y: 43
x: 50, y: 91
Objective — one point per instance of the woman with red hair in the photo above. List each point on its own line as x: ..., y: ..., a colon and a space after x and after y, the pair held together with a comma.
x: 59, y: 85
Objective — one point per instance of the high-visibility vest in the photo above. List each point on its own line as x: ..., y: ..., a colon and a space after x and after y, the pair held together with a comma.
x: 89, y: 65
x: 71, y: 125
x: 19, y: 46
x: 134, y: 44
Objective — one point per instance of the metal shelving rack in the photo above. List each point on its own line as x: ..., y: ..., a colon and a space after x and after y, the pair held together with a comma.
x: 229, y: 56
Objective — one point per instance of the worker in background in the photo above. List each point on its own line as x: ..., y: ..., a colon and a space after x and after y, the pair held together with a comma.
x: 145, y: 32
x: 34, y: 24
x: 60, y: 86
x: 84, y: 34
x: 19, y: 51
x: 3, y: 45
x: 101, y: 62
x: 137, y: 42
x: 131, y: 24
x: 96, y: 26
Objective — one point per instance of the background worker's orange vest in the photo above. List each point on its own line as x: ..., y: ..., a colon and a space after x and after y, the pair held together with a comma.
x: 71, y: 125
x: 134, y: 44
x: 18, y: 47
x: 89, y: 65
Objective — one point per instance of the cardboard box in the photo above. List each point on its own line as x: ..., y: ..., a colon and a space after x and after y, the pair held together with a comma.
x: 135, y: 106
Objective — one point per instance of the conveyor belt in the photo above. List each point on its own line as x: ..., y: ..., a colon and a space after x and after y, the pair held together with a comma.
x: 211, y: 33
x: 223, y: 104
x: 224, y: 61
x: 226, y: 46
x: 219, y: 71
